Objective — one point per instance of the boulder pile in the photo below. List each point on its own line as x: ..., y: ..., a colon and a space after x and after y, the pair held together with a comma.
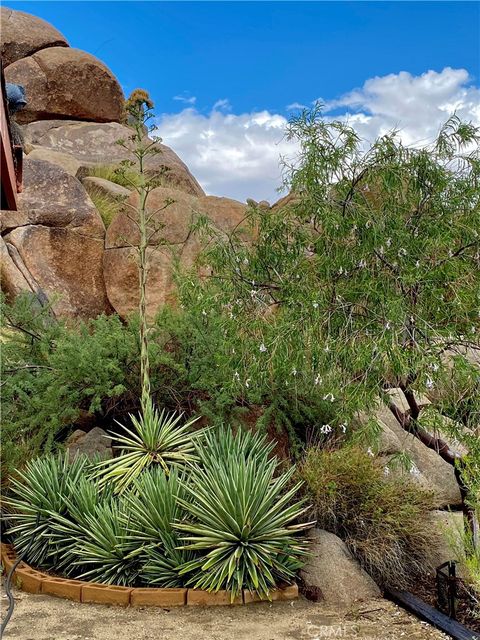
x: 56, y: 245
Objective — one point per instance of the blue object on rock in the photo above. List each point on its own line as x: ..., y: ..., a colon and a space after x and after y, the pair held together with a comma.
x: 16, y: 97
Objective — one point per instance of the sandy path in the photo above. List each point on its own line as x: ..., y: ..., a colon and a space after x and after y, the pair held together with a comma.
x: 47, y: 618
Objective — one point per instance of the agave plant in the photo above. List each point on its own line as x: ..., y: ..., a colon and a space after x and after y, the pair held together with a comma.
x: 106, y: 553
x: 38, y: 496
x: 153, y: 507
x: 157, y: 438
x: 242, y: 521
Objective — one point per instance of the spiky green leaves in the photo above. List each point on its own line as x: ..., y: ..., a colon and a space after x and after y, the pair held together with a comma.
x: 38, y: 493
x: 241, y: 520
x: 157, y: 438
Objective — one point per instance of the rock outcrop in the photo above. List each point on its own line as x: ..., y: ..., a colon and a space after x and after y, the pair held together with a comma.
x: 95, y: 144
x: 332, y: 575
x: 95, y: 444
x: 22, y: 35
x: 175, y: 211
x: 66, y: 83
x: 56, y: 242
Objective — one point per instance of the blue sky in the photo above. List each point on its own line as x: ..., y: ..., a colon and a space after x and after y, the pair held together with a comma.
x: 251, y: 58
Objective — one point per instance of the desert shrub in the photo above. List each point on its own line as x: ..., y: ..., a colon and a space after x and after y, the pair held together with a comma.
x: 381, y: 518
x: 106, y: 206
x: 119, y: 175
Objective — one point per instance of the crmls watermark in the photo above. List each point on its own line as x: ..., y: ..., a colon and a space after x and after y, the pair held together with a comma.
x: 330, y: 631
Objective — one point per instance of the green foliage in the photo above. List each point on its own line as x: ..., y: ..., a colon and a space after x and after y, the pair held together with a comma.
x: 115, y: 173
x: 155, y: 439
x: 365, y: 277
x: 153, y: 507
x: 52, y: 373
x: 38, y: 494
x: 238, y: 514
x: 242, y: 518
x: 382, y: 518
x: 106, y: 206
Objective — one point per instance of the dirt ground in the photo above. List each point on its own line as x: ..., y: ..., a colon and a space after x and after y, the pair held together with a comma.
x: 38, y: 617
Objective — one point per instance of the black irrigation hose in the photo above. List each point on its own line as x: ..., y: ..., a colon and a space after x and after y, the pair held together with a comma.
x: 8, y: 583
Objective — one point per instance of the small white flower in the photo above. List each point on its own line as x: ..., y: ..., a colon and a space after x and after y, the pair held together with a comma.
x: 204, y: 313
x: 450, y: 253
x: 237, y: 258
x: 315, y: 305
x: 317, y: 380
x: 417, y: 263
x: 402, y: 252
x: 368, y: 224
x: 429, y: 383
x: 370, y: 452
x: 326, y: 348
x: 245, y: 261
x: 329, y: 396
x: 434, y: 366
x: 354, y: 228
x: 247, y: 383
x: 294, y: 372
x: 236, y: 375
x: 388, y: 242
x: 381, y: 250
x: 386, y: 471
x: 340, y: 271
x: 414, y: 470
x: 343, y: 427
x: 233, y: 351
x: 388, y: 325
x: 362, y: 264
x: 262, y: 348
x: 325, y: 428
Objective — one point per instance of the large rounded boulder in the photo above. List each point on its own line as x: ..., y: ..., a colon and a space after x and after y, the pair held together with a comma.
x: 54, y: 244
x: 66, y: 83
x: 173, y: 212
x: 94, y: 144
x: 22, y: 35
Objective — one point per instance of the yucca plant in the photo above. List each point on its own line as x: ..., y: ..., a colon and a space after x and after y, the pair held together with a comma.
x: 153, y: 507
x: 38, y: 495
x: 218, y: 444
x: 242, y: 521
x: 157, y: 438
x: 72, y: 526
x: 106, y: 552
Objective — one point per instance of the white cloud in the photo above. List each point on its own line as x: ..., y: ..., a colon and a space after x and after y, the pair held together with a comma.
x: 295, y: 106
x: 186, y: 99
x: 237, y: 155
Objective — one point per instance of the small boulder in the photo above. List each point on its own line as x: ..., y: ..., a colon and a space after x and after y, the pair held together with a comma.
x: 94, y: 444
x: 332, y: 575
x: 13, y: 281
x: 68, y: 83
x: 22, y: 35
x: 107, y: 188
x: 64, y: 160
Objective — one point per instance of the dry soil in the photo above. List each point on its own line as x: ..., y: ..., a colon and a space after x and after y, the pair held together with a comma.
x: 39, y: 617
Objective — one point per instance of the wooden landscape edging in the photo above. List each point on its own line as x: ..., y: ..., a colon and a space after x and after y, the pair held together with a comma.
x: 32, y: 581
x: 436, y: 618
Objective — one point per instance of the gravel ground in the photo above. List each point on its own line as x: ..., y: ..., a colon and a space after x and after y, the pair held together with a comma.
x: 38, y: 617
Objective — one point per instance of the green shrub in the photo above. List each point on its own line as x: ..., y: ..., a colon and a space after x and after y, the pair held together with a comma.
x: 242, y: 520
x: 119, y: 175
x: 381, y: 518
x: 106, y: 206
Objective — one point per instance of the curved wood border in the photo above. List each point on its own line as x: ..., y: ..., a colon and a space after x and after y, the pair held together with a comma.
x: 32, y: 581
